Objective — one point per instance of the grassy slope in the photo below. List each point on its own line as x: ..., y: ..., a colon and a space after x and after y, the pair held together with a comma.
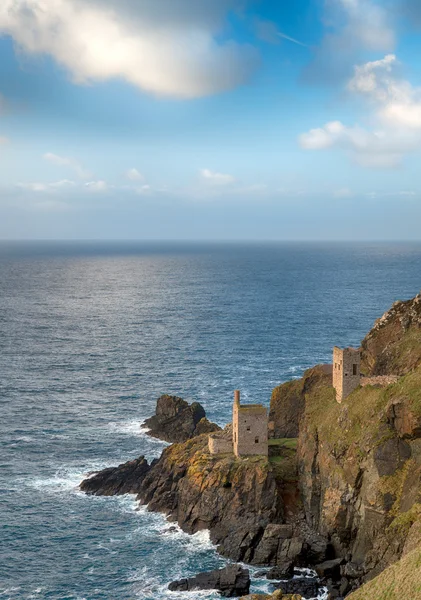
x: 401, y: 581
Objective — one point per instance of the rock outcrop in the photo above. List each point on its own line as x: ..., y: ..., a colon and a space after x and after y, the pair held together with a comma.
x: 236, y: 499
x: 117, y: 481
x: 393, y: 346
x: 349, y: 501
x: 360, y: 471
x: 177, y: 421
x: 231, y: 582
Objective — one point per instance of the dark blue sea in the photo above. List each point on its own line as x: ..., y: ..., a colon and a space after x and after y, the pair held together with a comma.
x: 92, y: 333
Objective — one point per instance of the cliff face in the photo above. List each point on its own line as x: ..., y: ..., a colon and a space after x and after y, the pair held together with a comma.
x: 393, y: 346
x: 288, y: 401
x: 402, y: 581
x: 360, y: 470
x: 234, y: 499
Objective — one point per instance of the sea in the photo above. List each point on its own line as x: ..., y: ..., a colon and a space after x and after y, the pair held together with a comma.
x: 92, y: 333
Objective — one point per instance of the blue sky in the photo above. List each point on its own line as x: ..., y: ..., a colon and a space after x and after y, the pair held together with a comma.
x: 192, y: 119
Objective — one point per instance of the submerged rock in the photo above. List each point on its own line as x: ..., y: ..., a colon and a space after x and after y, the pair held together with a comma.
x: 177, y: 421
x: 116, y: 481
x: 231, y: 582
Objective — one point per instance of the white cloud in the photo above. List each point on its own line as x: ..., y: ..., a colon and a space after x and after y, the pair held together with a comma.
x: 216, y: 178
x: 399, y: 103
x: 64, y: 161
x: 97, y: 186
x: 48, y: 187
x: 147, y: 44
x: 134, y: 175
x: 396, y: 114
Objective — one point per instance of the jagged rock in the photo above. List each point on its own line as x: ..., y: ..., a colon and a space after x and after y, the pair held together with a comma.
x: 404, y: 420
x: 391, y: 456
x: 304, y: 586
x: 393, y: 346
x: 233, y: 581
x: 329, y: 568
x: 234, y: 499
x: 282, y: 571
x: 177, y: 421
x: 116, y: 481
x: 352, y: 570
x: 278, y: 546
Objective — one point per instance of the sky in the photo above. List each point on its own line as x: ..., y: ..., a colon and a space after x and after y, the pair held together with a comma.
x: 210, y: 119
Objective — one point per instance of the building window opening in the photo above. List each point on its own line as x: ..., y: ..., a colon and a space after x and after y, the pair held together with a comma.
x: 256, y: 440
x: 249, y: 428
x: 354, y: 370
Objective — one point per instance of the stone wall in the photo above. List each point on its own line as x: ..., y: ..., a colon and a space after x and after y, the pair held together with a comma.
x: 219, y: 444
x: 346, y: 371
x: 250, y: 434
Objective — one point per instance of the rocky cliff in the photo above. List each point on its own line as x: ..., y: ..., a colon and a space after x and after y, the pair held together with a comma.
x: 393, y: 346
x: 175, y: 420
x: 235, y: 499
x: 360, y: 471
x: 350, y: 498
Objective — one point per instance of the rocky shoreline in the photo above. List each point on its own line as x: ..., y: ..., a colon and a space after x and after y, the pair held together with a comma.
x: 344, y: 502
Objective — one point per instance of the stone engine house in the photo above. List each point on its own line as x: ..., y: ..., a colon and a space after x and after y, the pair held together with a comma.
x: 346, y: 371
x: 249, y: 428
x: 248, y: 435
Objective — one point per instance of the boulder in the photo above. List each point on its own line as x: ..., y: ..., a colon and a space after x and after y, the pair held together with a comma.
x: 329, y: 568
x: 117, y: 481
x: 231, y: 582
x: 282, y: 571
x: 177, y: 421
x: 278, y: 546
x: 308, y: 587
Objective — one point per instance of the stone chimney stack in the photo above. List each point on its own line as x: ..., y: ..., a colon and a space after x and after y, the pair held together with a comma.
x: 237, y: 397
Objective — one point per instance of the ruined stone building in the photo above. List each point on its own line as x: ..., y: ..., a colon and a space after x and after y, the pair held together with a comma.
x: 248, y: 435
x: 249, y: 428
x: 346, y: 371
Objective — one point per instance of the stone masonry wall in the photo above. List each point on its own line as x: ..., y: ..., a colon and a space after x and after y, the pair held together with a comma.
x: 220, y: 445
x: 346, y: 371
x: 251, y: 431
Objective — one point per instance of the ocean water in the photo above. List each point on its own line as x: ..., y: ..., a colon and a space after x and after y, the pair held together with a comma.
x: 92, y: 333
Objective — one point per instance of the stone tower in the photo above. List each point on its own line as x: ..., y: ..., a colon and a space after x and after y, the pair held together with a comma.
x: 249, y: 428
x: 346, y: 371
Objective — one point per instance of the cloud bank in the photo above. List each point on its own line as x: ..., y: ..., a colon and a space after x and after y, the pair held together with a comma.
x: 395, y: 107
x: 165, y: 47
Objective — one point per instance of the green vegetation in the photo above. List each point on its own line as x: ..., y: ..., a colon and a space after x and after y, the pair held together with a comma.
x: 290, y: 443
x: 408, y: 388
x: 403, y: 522
x: 401, y: 581
x: 361, y: 420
